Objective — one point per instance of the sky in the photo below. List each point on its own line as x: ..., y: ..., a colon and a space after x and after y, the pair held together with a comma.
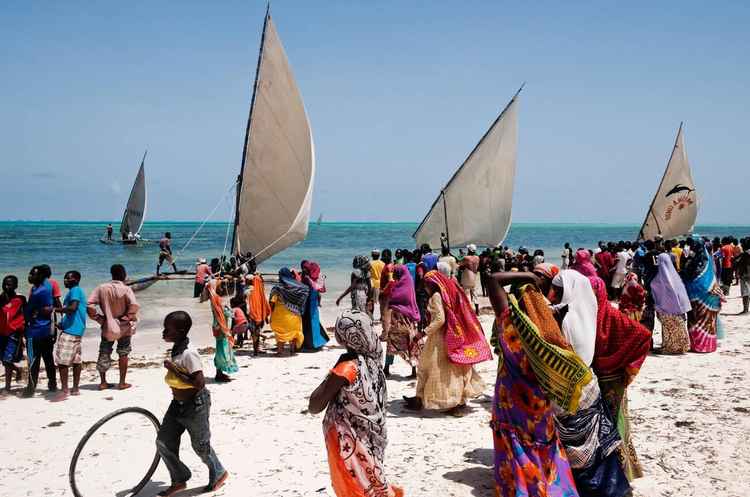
x: 398, y: 94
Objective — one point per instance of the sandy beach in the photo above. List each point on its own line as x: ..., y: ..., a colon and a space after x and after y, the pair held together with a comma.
x: 690, y: 417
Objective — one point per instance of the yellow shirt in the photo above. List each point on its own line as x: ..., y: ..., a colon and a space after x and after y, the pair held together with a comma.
x: 677, y: 251
x: 376, y: 269
x: 286, y: 325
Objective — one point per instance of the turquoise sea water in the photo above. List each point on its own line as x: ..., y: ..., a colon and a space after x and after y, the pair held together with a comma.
x: 75, y: 245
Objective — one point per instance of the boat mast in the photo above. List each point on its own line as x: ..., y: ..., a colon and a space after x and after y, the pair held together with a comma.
x: 247, y: 131
x: 445, y: 215
x: 661, y: 183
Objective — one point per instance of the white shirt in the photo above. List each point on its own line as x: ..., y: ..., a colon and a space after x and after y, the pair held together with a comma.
x: 189, y: 361
x: 622, y: 259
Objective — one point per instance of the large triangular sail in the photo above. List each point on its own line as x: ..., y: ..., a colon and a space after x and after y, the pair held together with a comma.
x: 274, y: 190
x: 675, y: 206
x: 475, y: 206
x: 135, y: 210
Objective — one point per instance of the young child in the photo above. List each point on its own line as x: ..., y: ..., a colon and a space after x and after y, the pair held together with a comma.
x: 239, y: 321
x: 12, y: 324
x: 71, y: 326
x: 189, y: 410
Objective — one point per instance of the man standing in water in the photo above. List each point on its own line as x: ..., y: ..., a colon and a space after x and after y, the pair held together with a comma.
x: 165, y: 253
x: 114, y: 307
x: 109, y: 232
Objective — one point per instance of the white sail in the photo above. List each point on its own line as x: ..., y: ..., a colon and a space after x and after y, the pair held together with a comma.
x: 475, y: 205
x: 675, y: 206
x: 278, y: 167
x: 135, y: 210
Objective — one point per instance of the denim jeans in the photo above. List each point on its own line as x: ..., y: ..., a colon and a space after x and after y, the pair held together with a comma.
x: 191, y: 415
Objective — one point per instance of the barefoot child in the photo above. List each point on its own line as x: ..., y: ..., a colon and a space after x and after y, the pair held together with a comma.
x: 189, y: 410
x: 71, y: 326
x: 12, y: 324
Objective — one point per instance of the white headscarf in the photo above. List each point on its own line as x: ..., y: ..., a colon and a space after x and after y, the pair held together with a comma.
x: 579, y: 324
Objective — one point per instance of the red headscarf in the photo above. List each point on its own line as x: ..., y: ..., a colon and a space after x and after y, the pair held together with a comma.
x: 621, y: 343
x: 465, y: 342
x: 583, y: 263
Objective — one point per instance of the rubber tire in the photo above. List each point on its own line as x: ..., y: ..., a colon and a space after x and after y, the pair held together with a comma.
x: 99, y: 424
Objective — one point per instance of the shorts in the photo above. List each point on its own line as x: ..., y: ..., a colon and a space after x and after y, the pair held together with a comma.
x: 104, y: 362
x: 617, y: 280
x: 727, y: 277
x: 10, y: 350
x: 165, y: 256
x: 67, y: 350
x: 745, y: 287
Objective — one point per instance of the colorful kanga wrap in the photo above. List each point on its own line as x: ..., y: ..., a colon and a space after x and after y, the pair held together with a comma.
x: 705, y: 299
x: 633, y: 298
x: 547, y: 269
x: 354, y: 423
x: 559, y: 371
x: 220, y: 326
x: 529, y: 460
x: 465, y: 342
x: 257, y: 304
x: 614, y: 393
x: 622, y: 344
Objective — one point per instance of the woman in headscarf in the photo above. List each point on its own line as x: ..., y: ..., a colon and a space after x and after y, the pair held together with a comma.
x: 589, y: 434
x: 533, y: 371
x: 354, y: 425
x: 315, y: 335
x: 402, y: 335
x: 224, y: 359
x: 621, y: 345
x: 360, y: 286
x: 633, y: 298
x: 671, y: 303
x: 583, y: 263
x: 705, y: 299
x: 288, y: 300
x: 446, y: 378
x: 258, y: 311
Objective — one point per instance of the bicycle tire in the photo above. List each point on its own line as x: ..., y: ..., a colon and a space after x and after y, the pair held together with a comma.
x: 99, y: 424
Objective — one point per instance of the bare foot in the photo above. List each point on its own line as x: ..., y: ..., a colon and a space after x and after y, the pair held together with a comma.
x: 123, y: 386
x: 173, y: 489
x: 75, y: 391
x: 104, y: 386
x: 61, y: 396
x: 219, y: 483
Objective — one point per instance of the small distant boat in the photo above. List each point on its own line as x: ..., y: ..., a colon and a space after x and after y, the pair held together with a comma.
x: 475, y: 206
x: 674, y: 209
x: 275, y: 185
x: 135, y: 211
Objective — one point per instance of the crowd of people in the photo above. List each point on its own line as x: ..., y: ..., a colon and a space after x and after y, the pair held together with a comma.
x: 569, y: 339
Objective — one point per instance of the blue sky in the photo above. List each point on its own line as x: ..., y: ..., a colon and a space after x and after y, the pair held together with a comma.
x: 398, y: 93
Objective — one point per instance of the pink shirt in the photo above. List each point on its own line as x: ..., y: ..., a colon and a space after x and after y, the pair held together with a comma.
x: 238, y: 317
x: 202, y: 272
x: 118, y: 310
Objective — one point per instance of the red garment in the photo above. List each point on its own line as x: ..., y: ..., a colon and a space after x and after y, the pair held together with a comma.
x: 728, y: 252
x: 11, y: 315
x: 202, y: 273
x: 621, y: 343
x: 386, y: 275
x: 606, y: 261
x: 56, y: 292
x: 633, y: 297
x: 238, y: 317
x: 465, y: 342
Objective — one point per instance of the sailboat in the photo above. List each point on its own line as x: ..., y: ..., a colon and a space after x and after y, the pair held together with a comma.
x: 275, y: 184
x: 475, y: 205
x: 135, y: 210
x: 675, y: 205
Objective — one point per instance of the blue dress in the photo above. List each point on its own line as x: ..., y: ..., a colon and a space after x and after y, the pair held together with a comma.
x: 315, y: 335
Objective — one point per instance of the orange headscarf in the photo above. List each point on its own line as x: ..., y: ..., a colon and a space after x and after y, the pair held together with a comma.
x: 217, y: 306
x: 257, y: 303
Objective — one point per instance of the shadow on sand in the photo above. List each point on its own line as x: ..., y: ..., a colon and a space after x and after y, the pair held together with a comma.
x: 479, y: 478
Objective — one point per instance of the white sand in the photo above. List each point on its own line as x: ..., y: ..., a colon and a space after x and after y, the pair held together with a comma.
x: 690, y: 416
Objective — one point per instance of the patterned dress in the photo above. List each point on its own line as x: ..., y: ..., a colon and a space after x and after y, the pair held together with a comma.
x: 354, y: 424
x: 529, y: 460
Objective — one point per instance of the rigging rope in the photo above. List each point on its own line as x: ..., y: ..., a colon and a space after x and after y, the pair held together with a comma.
x: 182, y: 251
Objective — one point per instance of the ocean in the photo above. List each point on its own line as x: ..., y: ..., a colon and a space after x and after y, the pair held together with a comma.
x: 75, y: 245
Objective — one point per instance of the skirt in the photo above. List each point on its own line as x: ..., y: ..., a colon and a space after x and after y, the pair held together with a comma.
x: 674, y: 333
x: 403, y: 338
x: 224, y: 357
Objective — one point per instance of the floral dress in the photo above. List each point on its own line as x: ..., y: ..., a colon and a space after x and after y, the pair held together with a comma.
x: 529, y: 460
